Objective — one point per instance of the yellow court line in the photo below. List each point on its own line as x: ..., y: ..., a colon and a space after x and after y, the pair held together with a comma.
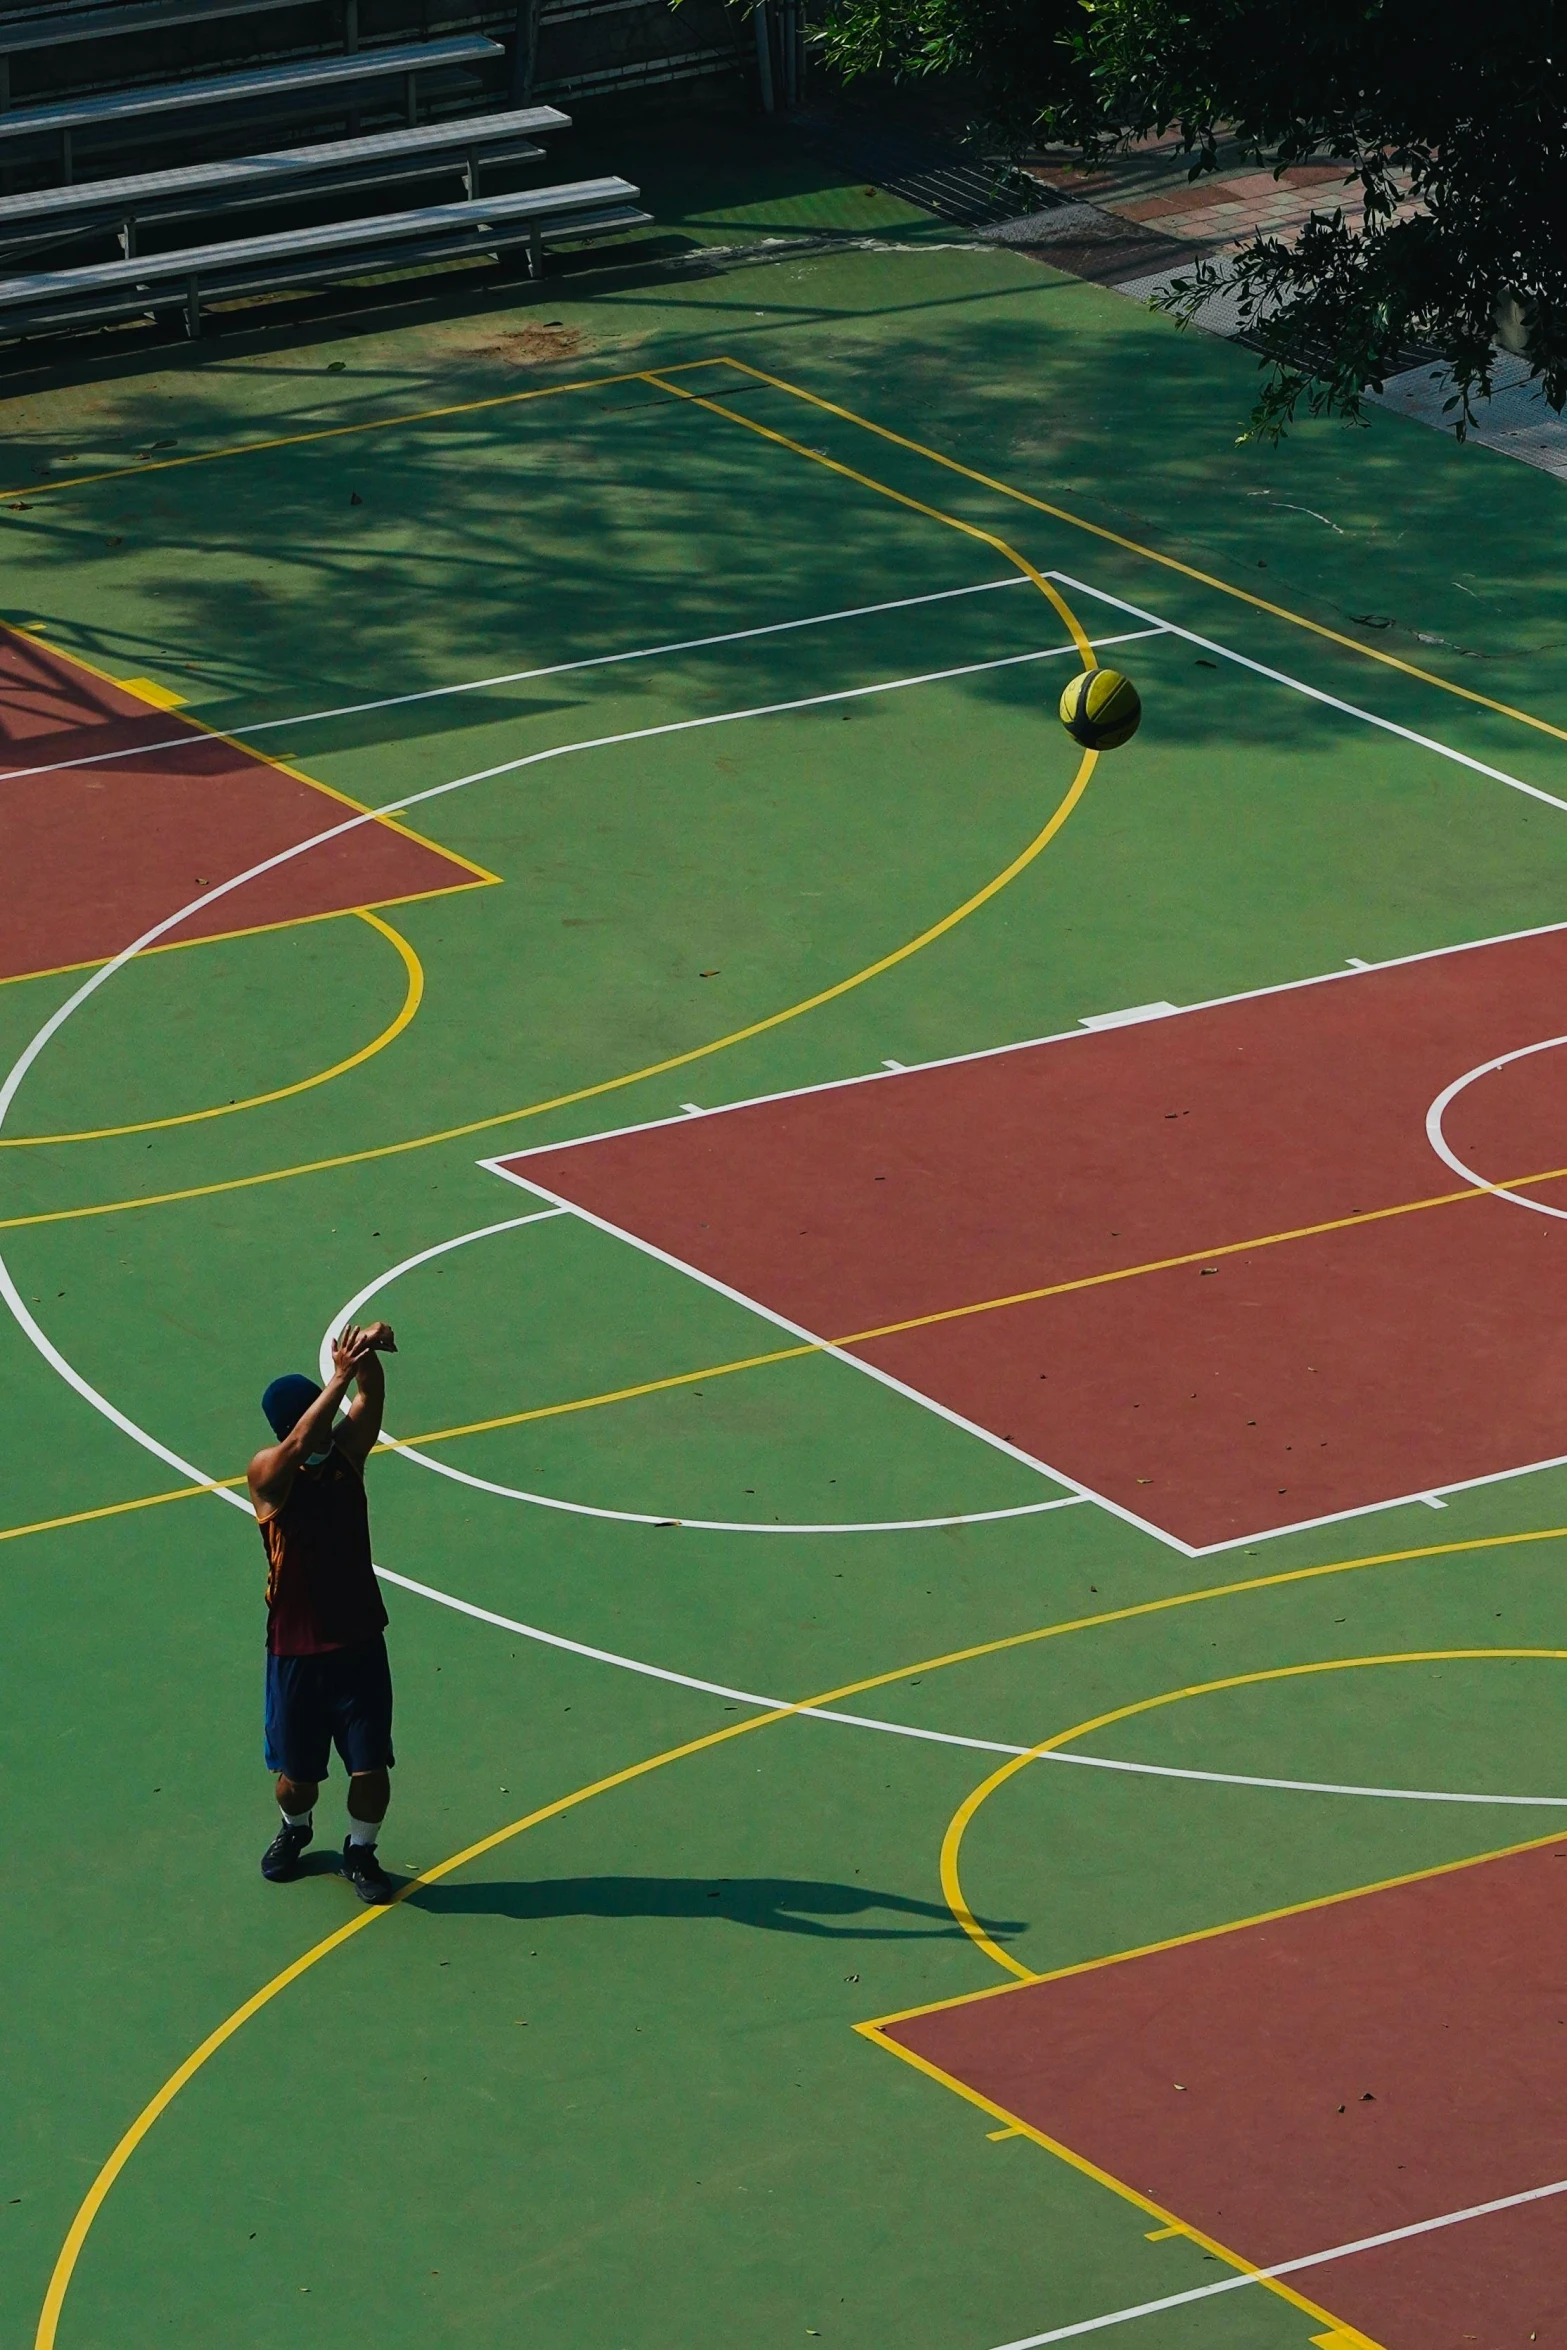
x: 988, y: 1305
x: 70, y: 2251
x: 878, y: 2030
x: 1116, y: 538
x: 76, y: 2237
x: 336, y: 432
x: 413, y: 995
x: 585, y: 1093
x: 31, y: 632
x: 952, y: 1891
x: 958, y: 1656
x: 588, y: 1403
x: 983, y: 1648
x: 951, y: 1844
x: 866, y: 481
x: 456, y: 1133
x: 1224, y: 587
x: 92, y: 2203
x: 222, y: 938
x: 1091, y: 2170
x: 234, y: 742
x: 108, y: 1509
x: 1198, y: 1256
x: 1179, y: 1599
x: 481, y: 873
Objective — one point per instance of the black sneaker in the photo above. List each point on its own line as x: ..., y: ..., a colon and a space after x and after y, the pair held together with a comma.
x: 280, y: 1861
x: 365, y: 1873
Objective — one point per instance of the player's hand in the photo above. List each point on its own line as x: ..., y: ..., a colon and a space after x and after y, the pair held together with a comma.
x: 378, y: 1338
x: 349, y: 1350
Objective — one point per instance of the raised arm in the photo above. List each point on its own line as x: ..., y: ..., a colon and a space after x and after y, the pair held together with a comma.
x: 273, y: 1470
x: 356, y: 1437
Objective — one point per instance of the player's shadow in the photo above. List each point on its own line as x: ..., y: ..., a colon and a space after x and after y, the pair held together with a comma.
x: 777, y: 1905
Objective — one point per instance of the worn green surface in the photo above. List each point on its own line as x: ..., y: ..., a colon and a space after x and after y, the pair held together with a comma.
x: 600, y: 2086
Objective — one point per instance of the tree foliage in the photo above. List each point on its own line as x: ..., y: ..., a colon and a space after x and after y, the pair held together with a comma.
x: 1451, y: 123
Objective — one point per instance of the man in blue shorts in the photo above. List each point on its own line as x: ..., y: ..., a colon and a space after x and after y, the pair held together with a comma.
x: 328, y: 1680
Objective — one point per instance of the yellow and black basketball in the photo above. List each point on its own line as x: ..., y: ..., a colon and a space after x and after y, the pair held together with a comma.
x: 1100, y: 709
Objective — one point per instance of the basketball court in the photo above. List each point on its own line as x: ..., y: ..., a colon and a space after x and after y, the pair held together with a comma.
x: 975, y: 1494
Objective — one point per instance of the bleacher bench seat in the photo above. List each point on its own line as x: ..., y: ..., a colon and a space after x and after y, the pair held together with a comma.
x: 534, y: 217
x: 259, y: 85
x: 60, y: 216
x: 58, y: 27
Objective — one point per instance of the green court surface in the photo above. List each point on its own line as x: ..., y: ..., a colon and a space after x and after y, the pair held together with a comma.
x: 596, y: 2080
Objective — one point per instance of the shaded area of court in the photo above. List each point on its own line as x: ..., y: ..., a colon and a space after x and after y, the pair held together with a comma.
x: 597, y: 2079
x: 114, y: 837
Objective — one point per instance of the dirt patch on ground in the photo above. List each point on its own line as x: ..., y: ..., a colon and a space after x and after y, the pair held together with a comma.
x: 533, y: 346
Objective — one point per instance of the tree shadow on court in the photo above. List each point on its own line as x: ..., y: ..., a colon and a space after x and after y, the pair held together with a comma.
x: 778, y: 1905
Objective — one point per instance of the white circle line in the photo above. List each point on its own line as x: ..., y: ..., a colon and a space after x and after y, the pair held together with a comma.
x: 825, y: 1713
x: 361, y: 1297
x: 583, y: 1509
x: 1449, y: 1157
x: 17, y: 1073
x: 436, y: 791
x: 25, y: 1060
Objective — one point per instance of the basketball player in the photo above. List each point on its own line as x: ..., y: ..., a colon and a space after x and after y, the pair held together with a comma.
x: 328, y: 1680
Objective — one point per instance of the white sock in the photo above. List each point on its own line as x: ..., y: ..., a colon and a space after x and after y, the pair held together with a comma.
x: 297, y: 1819
x: 362, y: 1831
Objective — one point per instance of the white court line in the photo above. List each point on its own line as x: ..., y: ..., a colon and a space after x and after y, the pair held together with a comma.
x: 1314, y: 693
x: 361, y: 1297
x: 1050, y: 1469
x: 100, y: 1403
x: 106, y: 971
x: 841, y: 1354
x: 1397, y: 1501
x: 585, y: 1509
x: 473, y: 685
x: 1075, y: 1487
x: 1060, y: 1476
x: 582, y: 1509
x: 437, y: 791
x: 1076, y: 1034
x: 1287, y: 2268
x: 827, y: 1713
x: 24, y: 1061
x: 1449, y: 1157
x: 583, y: 1648
x: 825, y: 1346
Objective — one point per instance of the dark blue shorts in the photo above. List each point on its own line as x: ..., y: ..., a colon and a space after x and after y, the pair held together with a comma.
x: 342, y: 1698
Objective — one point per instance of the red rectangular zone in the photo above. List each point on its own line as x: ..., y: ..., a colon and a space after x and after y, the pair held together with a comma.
x: 1346, y: 2071
x: 1215, y: 1399
x: 105, y: 851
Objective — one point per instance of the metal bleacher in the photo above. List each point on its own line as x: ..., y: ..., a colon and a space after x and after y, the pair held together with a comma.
x: 71, y: 26
x: 182, y: 279
x: 461, y: 145
x: 141, y: 112
x: 83, y: 132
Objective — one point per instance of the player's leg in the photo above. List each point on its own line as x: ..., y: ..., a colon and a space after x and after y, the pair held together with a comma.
x: 298, y: 1746
x: 369, y: 1793
x: 362, y: 1730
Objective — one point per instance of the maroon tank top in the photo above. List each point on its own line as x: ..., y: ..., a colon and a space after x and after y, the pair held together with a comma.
x: 321, y: 1586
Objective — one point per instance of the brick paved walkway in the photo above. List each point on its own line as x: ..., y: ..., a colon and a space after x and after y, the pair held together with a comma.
x: 1136, y: 221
